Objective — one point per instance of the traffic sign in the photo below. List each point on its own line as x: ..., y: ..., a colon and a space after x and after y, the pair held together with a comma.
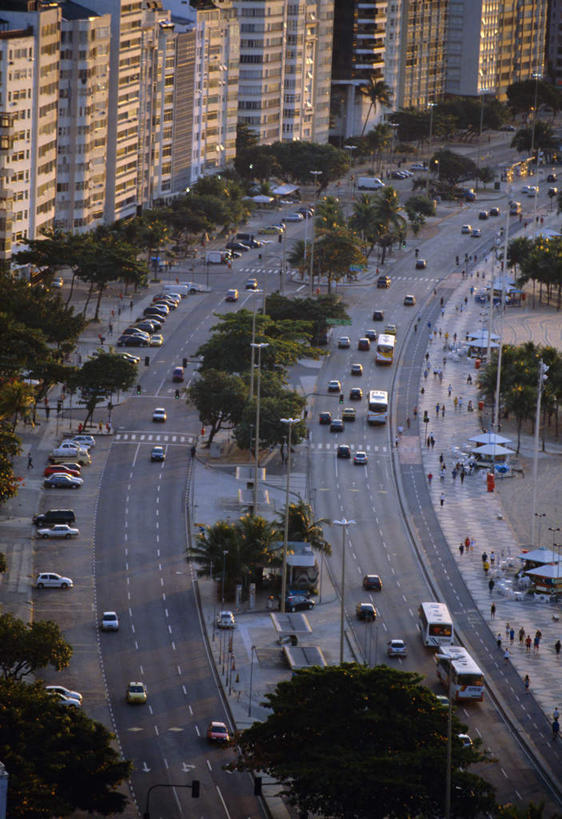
x: 331, y: 322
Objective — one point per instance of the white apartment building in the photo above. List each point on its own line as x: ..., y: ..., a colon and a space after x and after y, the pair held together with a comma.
x: 82, y: 118
x: 206, y: 89
x: 29, y: 65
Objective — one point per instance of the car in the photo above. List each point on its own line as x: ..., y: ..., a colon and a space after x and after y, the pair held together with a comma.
x: 476, y: 233
x: 178, y: 374
x: 465, y: 740
x: 418, y: 166
x: 344, y: 342
x: 466, y: 229
x: 409, y: 300
x: 293, y: 217
x: 226, y: 619
x: 442, y: 700
x: 132, y: 359
x: 397, y: 175
x: 231, y: 295
x: 552, y: 177
x: 148, y: 326
x: 396, y: 648
x: 169, y: 301
x: 372, y: 582
x: 64, y: 454
x: 360, y: 458
x: 507, y: 128
x: 371, y: 335
x: 366, y: 611
x: 67, y: 693
x: 109, y: 621
x: 336, y: 425
x: 252, y: 284
x: 298, y: 602
x: 483, y: 215
x: 137, y: 693
x: 159, y: 415
x: 69, y: 444
x: 421, y: 264
x: 349, y: 414
x: 157, y: 453
x: 60, y: 480
x: 495, y: 212
x: 334, y: 386
x: 525, y: 188
x: 356, y: 394
x: 57, y: 282
x: 383, y: 282
x: 132, y: 341
x: 136, y: 331
x: 160, y: 309
x: 53, y: 516
x: 51, y: 580
x: 157, y: 340
x: 325, y: 418
x: 66, y: 701
x: 552, y: 192
x: 58, y: 530
x: 81, y: 439
x: 378, y: 315
x: 343, y: 451
x: 364, y: 344
x: 217, y: 732
x: 390, y: 329
x: 469, y: 195
x: 306, y: 211
x: 57, y: 469
x: 271, y: 230
x: 533, y: 190
x: 240, y: 247
x: 356, y: 369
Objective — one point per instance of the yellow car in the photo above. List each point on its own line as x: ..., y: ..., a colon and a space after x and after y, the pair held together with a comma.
x: 137, y: 693
x: 157, y: 340
x: 390, y: 329
x: 271, y: 229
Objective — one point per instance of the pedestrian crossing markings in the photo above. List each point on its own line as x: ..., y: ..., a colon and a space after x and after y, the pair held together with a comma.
x: 153, y: 437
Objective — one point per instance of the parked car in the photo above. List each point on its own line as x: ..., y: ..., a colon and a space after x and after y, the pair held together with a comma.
x: 298, y: 602
x: 293, y: 217
x: 217, y: 732
x: 58, y: 469
x: 58, y: 530
x: 157, y: 340
x: 271, y: 230
x: 67, y: 693
x: 53, y: 516
x: 132, y: 341
x: 109, y: 621
x: 137, y: 693
x: 60, y: 480
x: 226, y: 619
x: 51, y: 580
x: 87, y: 441
x: 240, y: 247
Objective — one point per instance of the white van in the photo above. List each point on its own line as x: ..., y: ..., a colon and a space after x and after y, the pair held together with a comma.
x: 216, y: 257
x: 64, y: 454
x: 369, y: 183
x: 181, y: 289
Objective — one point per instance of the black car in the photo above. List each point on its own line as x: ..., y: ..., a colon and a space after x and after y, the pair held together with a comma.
x: 156, y: 310
x: 336, y: 425
x: 239, y: 246
x: 366, y: 611
x: 132, y: 341
x: 552, y: 177
x: 148, y: 326
x: 344, y: 451
x: 325, y: 418
x: 372, y: 582
x: 483, y: 215
x: 355, y: 394
x: 383, y: 282
x: 378, y: 315
x: 298, y: 602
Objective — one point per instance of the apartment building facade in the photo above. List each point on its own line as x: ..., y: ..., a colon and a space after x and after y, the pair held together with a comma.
x: 29, y: 90
x: 554, y: 42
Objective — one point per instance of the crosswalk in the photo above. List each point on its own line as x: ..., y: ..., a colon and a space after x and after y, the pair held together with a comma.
x: 332, y: 447
x: 153, y: 438
x: 363, y: 278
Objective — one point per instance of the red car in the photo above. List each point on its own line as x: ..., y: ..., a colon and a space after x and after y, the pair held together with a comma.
x: 53, y: 469
x: 218, y: 732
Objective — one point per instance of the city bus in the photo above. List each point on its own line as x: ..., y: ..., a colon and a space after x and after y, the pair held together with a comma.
x: 385, y: 348
x: 377, y: 411
x: 436, y: 625
x: 460, y: 675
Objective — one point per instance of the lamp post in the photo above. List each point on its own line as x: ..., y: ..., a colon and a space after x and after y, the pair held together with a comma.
x: 259, y: 346
x: 536, y: 77
x: 253, y: 648
x: 289, y: 422
x: 543, y: 369
x: 344, y: 523
x: 481, y: 92
x: 315, y: 174
x: 252, y: 357
x: 540, y: 516
x: 224, y: 554
x: 431, y: 106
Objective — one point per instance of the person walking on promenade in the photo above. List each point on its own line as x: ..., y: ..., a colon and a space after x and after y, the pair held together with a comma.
x: 491, y: 584
x: 449, y: 390
x: 484, y: 557
x: 556, y: 713
x: 507, y: 629
x: 492, y: 557
x: 429, y: 478
x: 437, y: 408
x: 442, y: 499
x: 521, y: 635
x: 498, y: 640
x: 467, y: 543
x: 528, y: 642
x: 432, y: 440
x: 555, y: 729
x: 461, y: 548
x: 506, y: 656
x: 536, y: 644
x: 462, y: 475
x: 443, y: 411
x: 526, y: 682
x: 29, y: 461
x: 441, y: 458
x: 511, y: 635
x: 557, y: 646
x: 493, y: 611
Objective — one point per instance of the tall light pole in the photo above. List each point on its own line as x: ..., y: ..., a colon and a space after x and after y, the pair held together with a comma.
x: 224, y: 554
x: 431, y: 106
x: 315, y: 174
x: 258, y: 346
x: 289, y: 422
x: 543, y: 369
x: 481, y: 92
x: 536, y: 77
x: 344, y: 523
x: 252, y: 356
x: 540, y: 516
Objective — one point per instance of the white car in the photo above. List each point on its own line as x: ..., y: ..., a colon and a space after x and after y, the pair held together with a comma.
x: 293, y: 217
x: 396, y: 648
x: 65, y: 692
x: 344, y: 342
x: 51, y: 580
x: 69, y: 443
x: 58, y: 530
x: 110, y: 621
x: 159, y: 415
x: 87, y: 441
x: 226, y: 619
x: 466, y: 229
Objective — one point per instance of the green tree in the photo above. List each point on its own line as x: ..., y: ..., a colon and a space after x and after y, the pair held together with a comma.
x: 363, y: 221
x: 378, y: 93
x: 521, y: 401
x: 377, y: 140
x: 10, y: 446
x: 418, y: 207
x: 302, y: 526
x: 280, y: 403
x: 544, y: 139
x: 296, y: 159
x: 521, y: 96
x: 391, y: 225
x: 24, y: 648
x: 396, y: 769
x: 335, y: 252
x: 219, y: 398
x: 246, y: 138
x: 100, y: 377
x: 59, y: 760
x: 328, y: 214
x: 518, y: 251
x: 454, y: 167
x: 314, y: 311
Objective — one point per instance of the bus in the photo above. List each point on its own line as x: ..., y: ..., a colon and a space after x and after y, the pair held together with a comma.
x: 436, y: 625
x: 460, y: 675
x: 385, y: 348
x: 377, y: 411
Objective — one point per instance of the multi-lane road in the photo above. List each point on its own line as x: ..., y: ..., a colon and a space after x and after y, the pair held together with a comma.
x: 140, y: 536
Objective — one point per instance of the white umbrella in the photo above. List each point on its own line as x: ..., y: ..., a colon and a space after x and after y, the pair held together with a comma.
x: 489, y: 438
x: 261, y: 199
x: 493, y: 449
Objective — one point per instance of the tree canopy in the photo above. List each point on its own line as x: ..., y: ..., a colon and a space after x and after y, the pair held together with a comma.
x: 26, y: 648
x: 219, y: 398
x: 352, y: 741
x: 100, y: 377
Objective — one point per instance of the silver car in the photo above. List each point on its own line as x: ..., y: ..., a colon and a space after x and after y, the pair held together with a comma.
x: 58, y: 530
x: 51, y: 580
x: 67, y: 693
x: 110, y: 621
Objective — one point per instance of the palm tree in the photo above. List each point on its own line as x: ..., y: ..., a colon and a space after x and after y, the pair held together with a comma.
x: 386, y: 213
x: 362, y: 221
x: 303, y: 528
x: 379, y: 138
x: 378, y: 93
x: 329, y: 214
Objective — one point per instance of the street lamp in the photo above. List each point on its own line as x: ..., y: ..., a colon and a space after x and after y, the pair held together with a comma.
x: 344, y: 523
x: 255, y: 293
x: 253, y: 648
x: 315, y: 174
x: 224, y: 554
x: 540, y: 516
x: 289, y: 422
x: 259, y: 346
x: 553, y: 530
x: 431, y: 106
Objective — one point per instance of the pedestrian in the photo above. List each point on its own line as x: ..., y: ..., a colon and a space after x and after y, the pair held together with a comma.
x: 441, y: 458
x: 29, y: 461
x: 415, y: 412
x: 456, y: 401
x: 100, y: 427
x: 462, y: 475
x: 110, y: 328
x: 131, y: 305
x: 493, y: 611
x: 521, y: 635
x: 396, y: 441
x: 422, y: 390
x: 467, y: 542
x: 428, y: 441
x: 507, y: 629
x: 491, y: 584
x: 454, y: 474
x: 427, y: 356
x: 437, y: 408
x: 471, y: 544
x: 443, y: 411
x: 469, y: 379
x: 536, y: 644
x: 486, y: 568
x: 429, y: 478
x: 425, y: 373
x: 461, y: 548
x: 526, y: 682
x: 460, y: 402
x: 408, y: 422
x: 511, y: 635
x: 498, y: 640
x: 492, y: 557
x: 528, y: 642
x: 442, y: 499
x: 557, y: 646
x: 555, y: 713
x: 484, y: 557
x: 441, y: 376
x: 555, y: 729
x: 506, y: 656
x: 432, y: 440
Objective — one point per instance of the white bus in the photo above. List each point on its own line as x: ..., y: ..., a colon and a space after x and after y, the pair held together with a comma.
x: 377, y: 412
x: 460, y: 675
x: 385, y: 348
x: 436, y: 625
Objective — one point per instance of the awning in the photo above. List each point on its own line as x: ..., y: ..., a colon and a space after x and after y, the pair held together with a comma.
x: 494, y: 450
x: 553, y: 572
x: 489, y: 438
x: 539, y: 556
x: 284, y: 190
x: 261, y: 199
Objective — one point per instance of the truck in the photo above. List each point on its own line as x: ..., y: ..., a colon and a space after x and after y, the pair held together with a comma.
x: 369, y: 183
x: 217, y: 257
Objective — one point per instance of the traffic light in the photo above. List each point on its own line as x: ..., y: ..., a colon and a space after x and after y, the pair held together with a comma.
x: 139, y: 389
x: 425, y: 417
x: 184, y: 362
x: 195, y: 789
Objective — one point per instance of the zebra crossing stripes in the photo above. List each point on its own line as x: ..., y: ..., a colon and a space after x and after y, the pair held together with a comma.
x: 332, y: 447
x: 152, y: 438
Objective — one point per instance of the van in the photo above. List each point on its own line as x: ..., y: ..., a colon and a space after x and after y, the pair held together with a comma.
x: 245, y: 237
x: 181, y: 289
x: 53, y: 516
x: 62, y: 454
x: 217, y: 257
x: 369, y: 183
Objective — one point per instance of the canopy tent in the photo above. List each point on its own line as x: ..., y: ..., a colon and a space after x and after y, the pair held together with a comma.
x: 262, y: 199
x: 548, y: 570
x: 541, y: 556
x: 493, y: 450
x: 489, y: 438
x: 284, y: 190
x: 482, y: 335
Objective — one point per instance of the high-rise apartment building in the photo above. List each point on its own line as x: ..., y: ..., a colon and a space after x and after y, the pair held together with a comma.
x: 358, y: 57
x: 82, y: 118
x: 29, y: 91
x: 554, y: 42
